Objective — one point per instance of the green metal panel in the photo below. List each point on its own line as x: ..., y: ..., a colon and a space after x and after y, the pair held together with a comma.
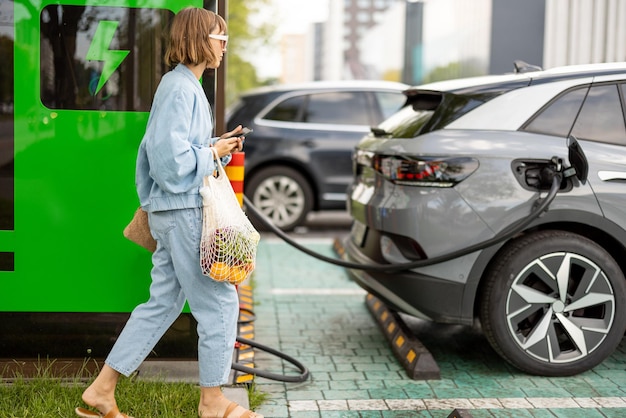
x: 73, y: 191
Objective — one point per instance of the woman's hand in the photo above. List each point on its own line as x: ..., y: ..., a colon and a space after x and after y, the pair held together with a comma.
x: 229, y: 142
x: 233, y: 133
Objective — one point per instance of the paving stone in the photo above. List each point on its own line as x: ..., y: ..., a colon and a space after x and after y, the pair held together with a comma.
x: 338, y: 405
x: 406, y: 404
x: 346, y: 394
x: 515, y: 403
x: 548, y: 403
x: 367, y: 404
x: 613, y: 412
x: 546, y: 392
x: 314, y: 312
x: 385, y: 394
x: 485, y: 403
x: 611, y: 402
x: 406, y: 414
x: 296, y: 406
x: 304, y: 394
x: 574, y: 413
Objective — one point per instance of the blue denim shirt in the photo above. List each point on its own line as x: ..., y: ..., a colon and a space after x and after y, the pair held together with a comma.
x: 174, y: 154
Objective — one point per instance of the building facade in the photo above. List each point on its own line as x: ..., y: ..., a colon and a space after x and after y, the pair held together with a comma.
x: 416, y: 41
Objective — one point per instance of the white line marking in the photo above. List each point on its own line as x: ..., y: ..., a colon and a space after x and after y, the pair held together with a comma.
x: 460, y: 403
x: 320, y: 291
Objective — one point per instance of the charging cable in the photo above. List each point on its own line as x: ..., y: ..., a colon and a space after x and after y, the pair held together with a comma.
x: 507, y: 233
x: 540, y: 206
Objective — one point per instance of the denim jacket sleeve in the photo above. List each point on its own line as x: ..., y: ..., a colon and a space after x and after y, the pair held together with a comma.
x: 174, y: 155
x: 178, y: 156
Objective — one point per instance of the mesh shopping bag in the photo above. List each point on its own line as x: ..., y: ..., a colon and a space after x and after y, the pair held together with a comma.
x: 229, y: 241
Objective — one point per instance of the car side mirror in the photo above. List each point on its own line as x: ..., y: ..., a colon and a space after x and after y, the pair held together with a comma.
x: 577, y: 158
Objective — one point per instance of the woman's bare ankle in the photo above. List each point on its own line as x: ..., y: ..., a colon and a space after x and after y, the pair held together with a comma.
x: 103, y: 401
x: 213, y: 404
x: 101, y: 392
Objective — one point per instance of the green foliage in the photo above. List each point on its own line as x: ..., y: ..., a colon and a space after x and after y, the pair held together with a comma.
x: 454, y: 70
x: 256, y: 398
x: 246, y: 36
x: 241, y: 76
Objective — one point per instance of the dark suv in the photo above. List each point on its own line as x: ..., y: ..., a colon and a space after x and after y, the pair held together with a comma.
x: 299, y: 157
x: 501, y: 201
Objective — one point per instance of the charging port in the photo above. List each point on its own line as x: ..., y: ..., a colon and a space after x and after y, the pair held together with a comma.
x: 536, y: 174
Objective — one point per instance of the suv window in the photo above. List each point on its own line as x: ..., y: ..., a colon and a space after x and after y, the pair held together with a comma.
x: 557, y: 119
x: 389, y: 103
x: 287, y: 111
x: 342, y: 108
x: 407, y: 122
x: 601, y: 118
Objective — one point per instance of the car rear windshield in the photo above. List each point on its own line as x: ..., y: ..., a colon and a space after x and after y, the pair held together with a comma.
x: 428, y: 111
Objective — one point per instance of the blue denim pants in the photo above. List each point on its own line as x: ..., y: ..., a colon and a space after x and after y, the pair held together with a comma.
x: 176, y: 277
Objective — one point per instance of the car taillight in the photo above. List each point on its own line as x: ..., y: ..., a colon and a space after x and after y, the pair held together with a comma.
x: 420, y: 171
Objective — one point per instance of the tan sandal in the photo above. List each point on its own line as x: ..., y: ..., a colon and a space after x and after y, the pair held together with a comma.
x: 86, y: 413
x: 246, y: 414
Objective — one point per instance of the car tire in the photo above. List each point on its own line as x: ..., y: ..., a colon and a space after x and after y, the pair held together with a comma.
x: 281, y: 194
x: 553, y: 304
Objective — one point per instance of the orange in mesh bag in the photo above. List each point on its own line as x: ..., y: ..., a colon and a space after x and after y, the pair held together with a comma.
x: 229, y: 241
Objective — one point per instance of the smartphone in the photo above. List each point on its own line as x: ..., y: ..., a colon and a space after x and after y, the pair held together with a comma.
x: 245, y: 132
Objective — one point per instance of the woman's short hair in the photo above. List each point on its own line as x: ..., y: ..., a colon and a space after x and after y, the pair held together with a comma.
x: 188, y: 41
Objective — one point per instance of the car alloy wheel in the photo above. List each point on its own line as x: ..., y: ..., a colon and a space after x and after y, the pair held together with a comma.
x: 554, y: 304
x: 281, y: 194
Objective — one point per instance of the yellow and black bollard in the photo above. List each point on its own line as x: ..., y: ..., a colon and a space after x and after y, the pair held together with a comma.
x: 235, y: 173
x: 244, y: 354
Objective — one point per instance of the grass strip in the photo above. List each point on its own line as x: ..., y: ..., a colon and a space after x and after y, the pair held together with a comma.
x: 47, y: 395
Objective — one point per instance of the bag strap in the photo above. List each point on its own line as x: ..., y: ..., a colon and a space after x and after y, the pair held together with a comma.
x: 220, y: 167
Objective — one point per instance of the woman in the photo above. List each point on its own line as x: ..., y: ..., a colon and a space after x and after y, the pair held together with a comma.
x: 174, y: 156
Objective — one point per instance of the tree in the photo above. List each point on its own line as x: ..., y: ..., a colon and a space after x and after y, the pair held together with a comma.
x: 245, y: 38
x: 469, y: 68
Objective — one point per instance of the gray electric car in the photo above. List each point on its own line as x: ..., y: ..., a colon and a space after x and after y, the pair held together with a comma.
x: 520, y: 181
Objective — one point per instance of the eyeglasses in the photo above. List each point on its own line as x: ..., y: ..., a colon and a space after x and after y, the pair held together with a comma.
x: 223, y: 38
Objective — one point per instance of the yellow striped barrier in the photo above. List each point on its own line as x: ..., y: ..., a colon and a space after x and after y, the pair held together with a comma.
x: 235, y: 173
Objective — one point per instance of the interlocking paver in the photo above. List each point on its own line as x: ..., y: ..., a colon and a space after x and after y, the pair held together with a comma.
x: 333, y: 405
x: 313, y: 311
x: 485, y: 403
x: 548, y: 403
x: 304, y: 394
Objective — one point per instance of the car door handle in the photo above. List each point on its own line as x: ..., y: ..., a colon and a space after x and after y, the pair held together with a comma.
x: 309, y: 143
x: 611, y: 175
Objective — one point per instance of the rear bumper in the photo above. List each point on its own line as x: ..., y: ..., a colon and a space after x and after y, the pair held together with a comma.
x: 411, y: 292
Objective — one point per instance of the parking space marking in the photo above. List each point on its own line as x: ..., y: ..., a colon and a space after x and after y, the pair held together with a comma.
x: 456, y: 403
x: 319, y: 291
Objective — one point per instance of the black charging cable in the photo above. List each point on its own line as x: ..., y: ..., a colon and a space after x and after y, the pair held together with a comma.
x: 541, y: 206
x: 304, y: 372
x: 297, y: 378
x: 507, y: 233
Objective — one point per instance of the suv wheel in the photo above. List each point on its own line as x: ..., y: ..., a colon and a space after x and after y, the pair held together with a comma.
x: 281, y: 194
x: 553, y: 304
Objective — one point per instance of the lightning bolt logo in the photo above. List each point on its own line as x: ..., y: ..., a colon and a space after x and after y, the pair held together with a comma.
x: 99, y: 51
